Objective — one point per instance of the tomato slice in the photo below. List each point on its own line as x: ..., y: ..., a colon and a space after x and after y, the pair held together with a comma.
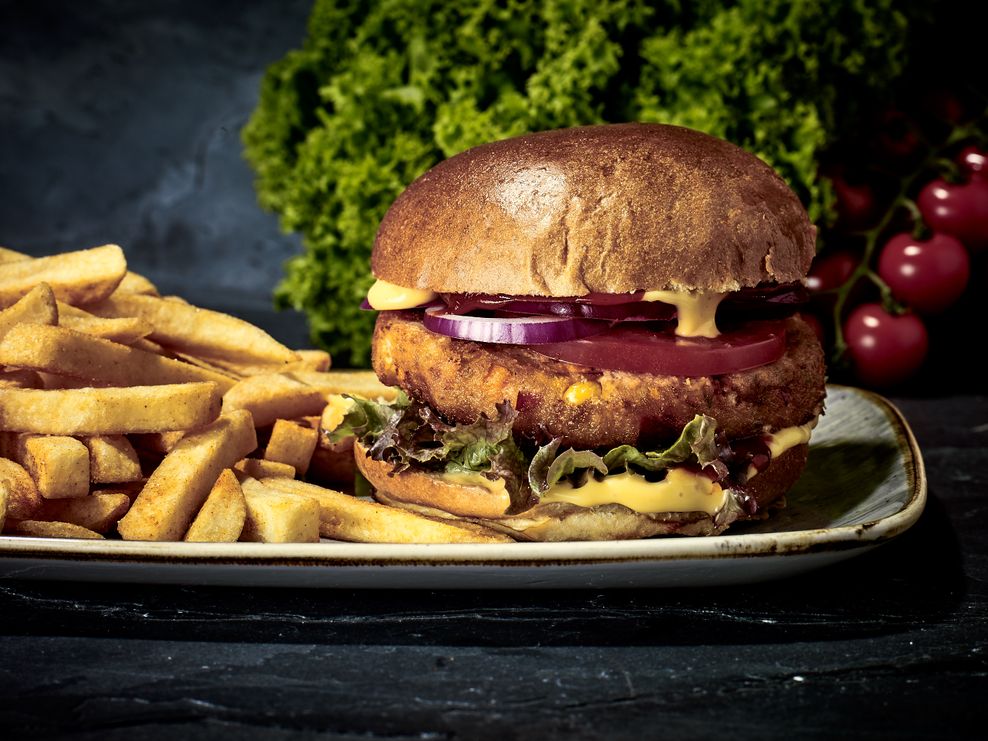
x: 637, y: 350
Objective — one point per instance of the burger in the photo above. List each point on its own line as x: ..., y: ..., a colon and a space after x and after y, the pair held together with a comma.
x: 596, y: 334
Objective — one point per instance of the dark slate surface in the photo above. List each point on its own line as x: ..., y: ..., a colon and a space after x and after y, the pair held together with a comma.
x: 118, y: 122
x: 890, y: 644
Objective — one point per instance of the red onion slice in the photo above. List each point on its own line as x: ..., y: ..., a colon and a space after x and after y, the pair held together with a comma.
x: 527, y: 330
x: 635, y: 311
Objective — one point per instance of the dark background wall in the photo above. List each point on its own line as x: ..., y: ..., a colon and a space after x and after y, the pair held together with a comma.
x: 120, y: 122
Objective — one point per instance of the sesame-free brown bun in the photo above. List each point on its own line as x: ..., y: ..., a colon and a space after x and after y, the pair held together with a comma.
x: 429, y: 494
x: 611, y: 209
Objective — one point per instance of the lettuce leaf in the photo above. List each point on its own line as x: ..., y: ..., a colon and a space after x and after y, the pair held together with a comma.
x: 381, y: 91
x: 408, y: 433
x: 547, y: 468
x: 697, y: 442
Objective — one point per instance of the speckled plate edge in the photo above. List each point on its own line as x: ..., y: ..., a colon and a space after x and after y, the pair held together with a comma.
x: 741, y: 558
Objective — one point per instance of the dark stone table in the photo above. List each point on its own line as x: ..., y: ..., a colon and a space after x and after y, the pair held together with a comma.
x: 890, y: 644
x: 118, y: 122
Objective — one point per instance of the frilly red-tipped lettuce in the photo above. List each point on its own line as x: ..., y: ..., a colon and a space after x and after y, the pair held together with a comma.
x: 408, y: 433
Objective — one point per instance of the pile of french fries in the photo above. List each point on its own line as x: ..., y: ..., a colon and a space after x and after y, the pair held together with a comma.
x: 127, y: 414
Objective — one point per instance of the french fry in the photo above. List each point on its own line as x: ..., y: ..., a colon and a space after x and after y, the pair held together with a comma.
x: 178, y: 487
x: 109, y: 411
x: 137, y: 283
x: 37, y: 306
x: 258, y: 468
x: 272, y: 397
x: 69, y: 353
x: 208, y: 334
x: 278, y: 517
x: 44, y: 529
x: 9, y: 255
x: 131, y: 283
x: 222, y: 516
x: 344, y: 517
x: 291, y: 443
x: 314, y: 360
x: 208, y: 365
x: 309, y: 361
x: 23, y: 498
x: 112, y: 460
x: 130, y: 490
x: 58, y: 464
x: 158, y: 442
x: 98, y: 512
x: 125, y: 330
x: 364, y: 384
x: 149, y: 346
x: 75, y: 277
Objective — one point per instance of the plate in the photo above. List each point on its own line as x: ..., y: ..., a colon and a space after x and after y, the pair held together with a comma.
x: 864, y: 484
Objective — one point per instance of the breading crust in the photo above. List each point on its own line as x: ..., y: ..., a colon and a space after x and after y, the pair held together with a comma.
x: 463, y: 379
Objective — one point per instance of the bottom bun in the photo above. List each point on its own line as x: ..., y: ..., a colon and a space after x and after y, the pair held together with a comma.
x: 430, y: 494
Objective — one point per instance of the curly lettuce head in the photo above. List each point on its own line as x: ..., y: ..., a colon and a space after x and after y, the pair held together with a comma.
x: 381, y: 91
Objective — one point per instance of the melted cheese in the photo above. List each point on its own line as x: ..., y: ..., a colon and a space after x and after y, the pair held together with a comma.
x: 336, y: 410
x: 782, y: 440
x: 385, y: 296
x: 468, y: 478
x: 581, y: 392
x: 696, y: 312
x: 680, y: 491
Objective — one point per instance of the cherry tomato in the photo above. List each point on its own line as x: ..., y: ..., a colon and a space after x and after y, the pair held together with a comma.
x: 831, y: 270
x: 974, y: 162
x: 926, y: 275
x: 960, y: 209
x: 897, y: 137
x: 855, y: 202
x: 944, y: 105
x: 884, y: 349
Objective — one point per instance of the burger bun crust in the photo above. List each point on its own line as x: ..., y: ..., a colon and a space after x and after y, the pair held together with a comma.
x: 427, y: 493
x: 612, y: 209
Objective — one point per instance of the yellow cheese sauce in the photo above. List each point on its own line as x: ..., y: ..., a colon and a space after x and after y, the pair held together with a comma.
x: 782, y: 440
x: 581, y: 392
x: 468, y: 478
x: 385, y: 296
x: 696, y: 312
x: 680, y: 491
x: 337, y: 408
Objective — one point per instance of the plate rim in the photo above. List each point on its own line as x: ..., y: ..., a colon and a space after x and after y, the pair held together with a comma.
x: 327, y: 555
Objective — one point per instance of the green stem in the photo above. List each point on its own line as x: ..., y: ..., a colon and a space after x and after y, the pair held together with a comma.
x: 863, y: 269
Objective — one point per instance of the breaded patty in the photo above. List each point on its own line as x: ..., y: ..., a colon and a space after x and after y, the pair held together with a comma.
x: 588, y: 407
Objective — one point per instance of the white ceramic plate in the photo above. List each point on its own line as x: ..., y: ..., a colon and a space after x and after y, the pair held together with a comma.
x: 864, y: 484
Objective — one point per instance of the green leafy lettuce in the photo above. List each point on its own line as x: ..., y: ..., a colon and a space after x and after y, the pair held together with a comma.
x: 381, y: 91
x: 696, y: 443
x: 407, y: 434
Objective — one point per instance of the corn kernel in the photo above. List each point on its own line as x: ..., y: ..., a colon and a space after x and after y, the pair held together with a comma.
x: 582, y: 392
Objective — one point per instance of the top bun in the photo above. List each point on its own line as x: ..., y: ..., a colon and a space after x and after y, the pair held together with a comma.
x: 610, y: 209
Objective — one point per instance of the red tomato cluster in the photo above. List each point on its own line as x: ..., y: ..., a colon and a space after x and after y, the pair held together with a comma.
x: 885, y: 294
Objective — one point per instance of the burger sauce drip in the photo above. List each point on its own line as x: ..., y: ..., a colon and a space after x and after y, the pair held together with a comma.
x: 739, y: 455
